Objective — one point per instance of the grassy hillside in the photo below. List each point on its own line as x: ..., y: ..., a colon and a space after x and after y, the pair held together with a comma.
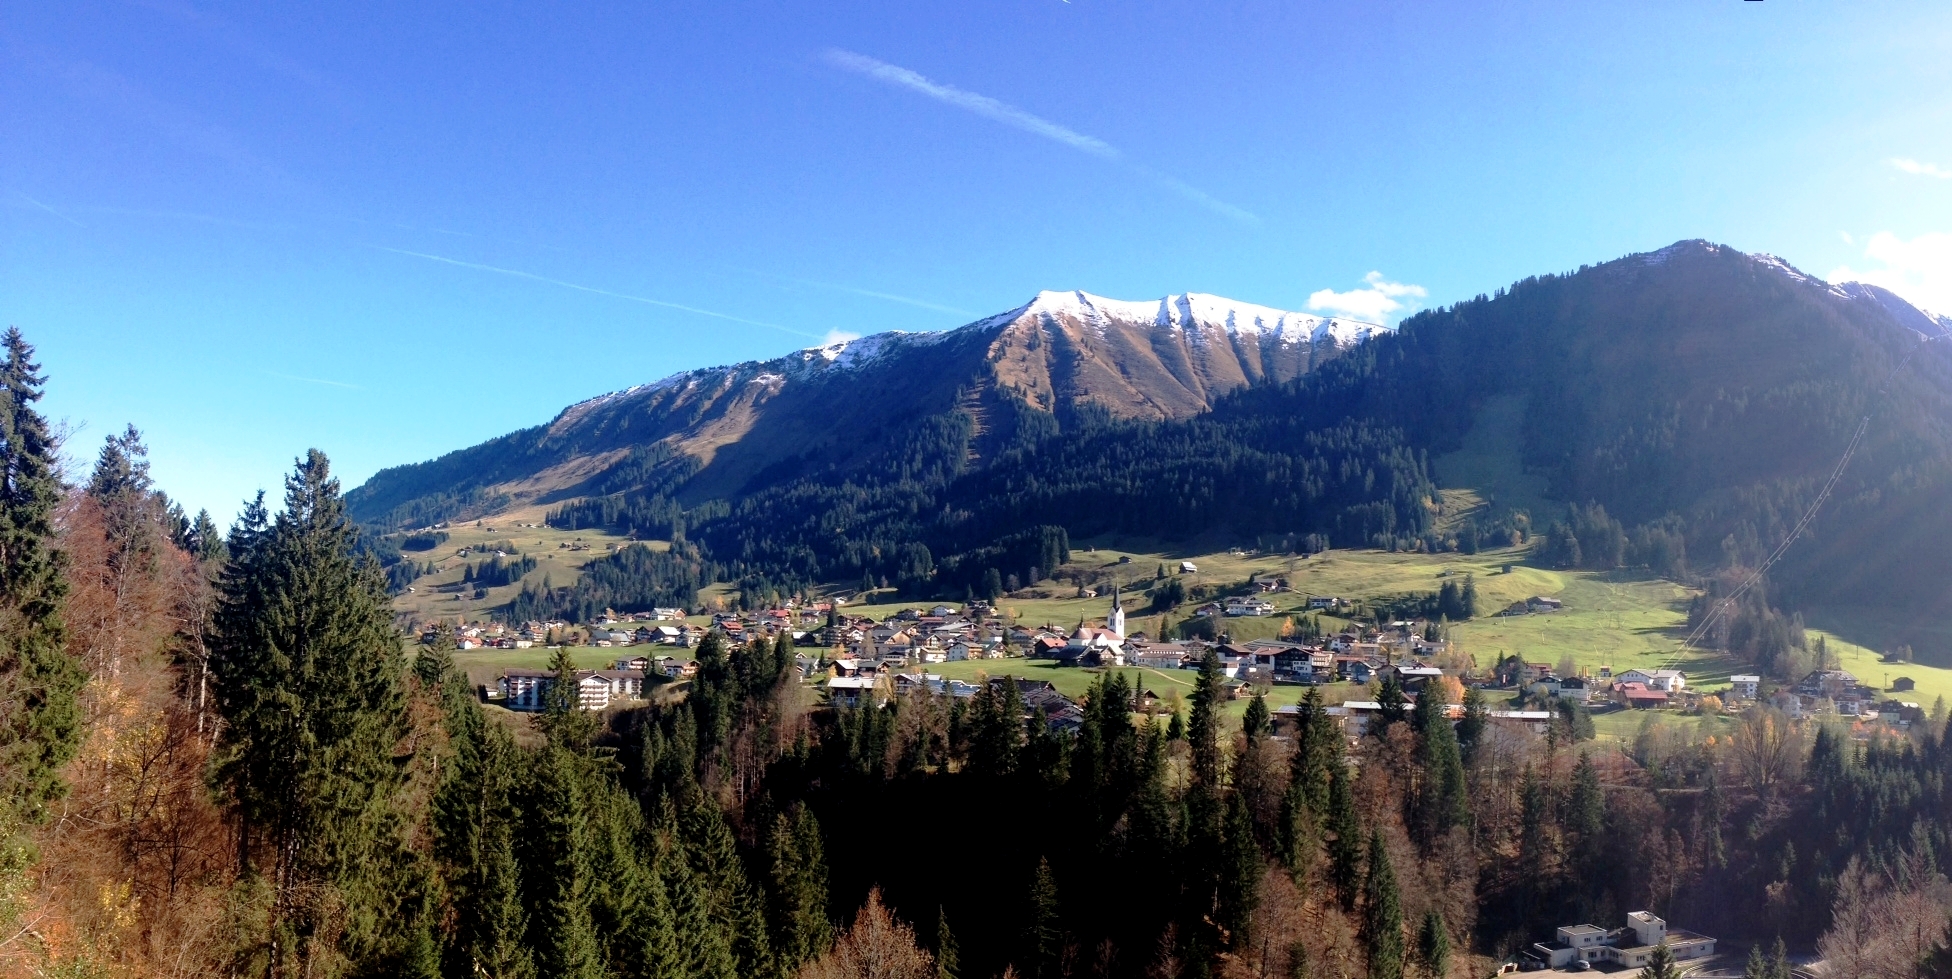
x: 440, y: 595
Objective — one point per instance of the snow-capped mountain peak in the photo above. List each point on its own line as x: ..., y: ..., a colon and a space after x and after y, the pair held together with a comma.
x: 1198, y: 311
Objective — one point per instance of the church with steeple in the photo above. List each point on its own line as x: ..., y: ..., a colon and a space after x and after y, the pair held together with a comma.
x: 1092, y: 646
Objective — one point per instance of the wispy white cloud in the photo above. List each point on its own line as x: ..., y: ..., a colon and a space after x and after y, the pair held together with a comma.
x: 50, y: 210
x: 1199, y: 196
x: 1376, y: 302
x: 982, y: 105
x: 531, y: 276
x: 1920, y: 168
x: 838, y: 336
x: 855, y: 291
x: 891, y: 297
x: 248, y: 48
x: 1919, y: 269
x: 1010, y: 115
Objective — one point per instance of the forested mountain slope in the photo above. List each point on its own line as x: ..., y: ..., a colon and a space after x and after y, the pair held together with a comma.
x: 724, y: 431
x: 1704, y: 396
x: 1699, y: 396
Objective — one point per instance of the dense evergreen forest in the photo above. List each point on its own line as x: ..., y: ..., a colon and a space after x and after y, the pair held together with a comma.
x: 220, y: 760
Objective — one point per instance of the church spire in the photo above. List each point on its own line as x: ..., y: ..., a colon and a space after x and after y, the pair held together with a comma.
x: 1116, y: 621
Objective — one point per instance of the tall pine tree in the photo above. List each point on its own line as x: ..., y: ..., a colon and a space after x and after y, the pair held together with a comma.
x: 40, y: 717
x: 1444, y: 799
x: 1203, y: 732
x: 1433, y: 945
x: 307, y: 670
x: 798, y: 869
x: 1043, y: 940
x: 1382, y: 914
x: 1240, y: 872
x: 1345, y: 835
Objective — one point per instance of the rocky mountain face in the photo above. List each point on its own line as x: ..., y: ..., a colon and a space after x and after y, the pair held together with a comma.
x: 722, y: 430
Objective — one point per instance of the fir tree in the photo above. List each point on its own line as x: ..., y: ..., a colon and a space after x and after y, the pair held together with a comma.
x: 798, y: 871
x: 1758, y: 965
x: 131, y: 509
x: 1043, y: 939
x: 1318, y: 751
x: 556, y: 862
x: 1444, y: 799
x: 948, y: 958
x: 1470, y: 729
x: 1660, y: 965
x: 1204, y: 730
x: 1255, y: 723
x: 1382, y: 914
x: 704, y: 945
x: 204, y: 541
x: 997, y: 743
x: 307, y: 668
x: 40, y: 717
x: 1779, y: 966
x: 1713, y: 808
x: 652, y: 932
x: 1240, y: 872
x: 735, y: 906
x: 1586, y: 818
x: 1345, y: 836
x: 475, y: 825
x: 1394, y: 704
x: 563, y: 719
x: 1433, y: 945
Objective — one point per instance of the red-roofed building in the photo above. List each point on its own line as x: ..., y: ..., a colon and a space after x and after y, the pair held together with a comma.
x: 1639, y: 696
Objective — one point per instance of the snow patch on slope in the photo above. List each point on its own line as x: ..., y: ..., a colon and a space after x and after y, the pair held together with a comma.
x: 1201, y: 313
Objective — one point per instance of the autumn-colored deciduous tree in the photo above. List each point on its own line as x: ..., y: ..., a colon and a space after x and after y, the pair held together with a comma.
x: 1767, y: 747
x: 878, y: 946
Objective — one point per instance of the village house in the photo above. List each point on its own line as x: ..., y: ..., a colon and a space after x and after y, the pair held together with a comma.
x: 1248, y: 606
x: 1412, y: 677
x: 1834, y: 684
x: 856, y: 691
x: 1638, y: 695
x: 1355, y: 716
x: 1743, y: 686
x: 1534, y: 722
x: 1156, y: 655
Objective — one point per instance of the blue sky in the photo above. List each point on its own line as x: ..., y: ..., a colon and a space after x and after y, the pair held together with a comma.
x: 392, y: 230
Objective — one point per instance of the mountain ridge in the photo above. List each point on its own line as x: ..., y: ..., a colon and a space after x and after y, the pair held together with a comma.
x: 1058, y: 354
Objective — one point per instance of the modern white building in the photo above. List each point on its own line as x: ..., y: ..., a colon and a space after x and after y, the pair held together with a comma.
x: 595, y: 689
x: 1744, y: 687
x: 1628, y: 947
